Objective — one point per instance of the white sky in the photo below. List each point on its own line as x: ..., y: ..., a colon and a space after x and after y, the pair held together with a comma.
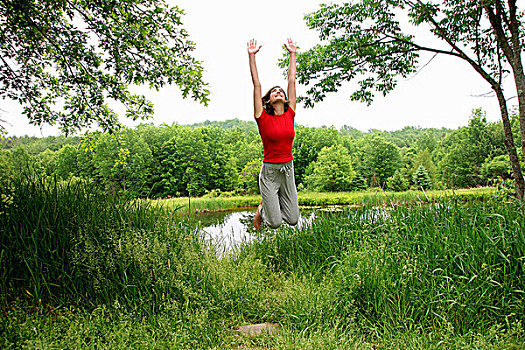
x: 440, y: 95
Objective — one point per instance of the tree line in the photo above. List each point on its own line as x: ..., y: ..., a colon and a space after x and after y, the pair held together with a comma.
x: 225, y: 157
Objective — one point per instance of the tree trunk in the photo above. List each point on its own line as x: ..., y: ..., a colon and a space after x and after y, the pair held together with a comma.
x: 511, y: 47
x: 519, y: 79
x: 517, y: 67
x: 511, y: 148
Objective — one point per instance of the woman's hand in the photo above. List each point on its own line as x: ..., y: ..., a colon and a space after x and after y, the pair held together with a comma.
x: 290, y: 46
x: 252, y: 47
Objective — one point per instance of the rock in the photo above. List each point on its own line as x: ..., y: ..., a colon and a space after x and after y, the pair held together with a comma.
x: 254, y: 330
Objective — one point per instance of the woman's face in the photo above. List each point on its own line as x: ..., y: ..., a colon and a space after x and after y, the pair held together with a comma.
x: 277, y: 94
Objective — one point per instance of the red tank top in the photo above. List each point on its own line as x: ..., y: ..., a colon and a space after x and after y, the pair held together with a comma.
x: 277, y: 134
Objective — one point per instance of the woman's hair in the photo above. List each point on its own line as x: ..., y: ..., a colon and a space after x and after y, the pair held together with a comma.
x: 266, y: 101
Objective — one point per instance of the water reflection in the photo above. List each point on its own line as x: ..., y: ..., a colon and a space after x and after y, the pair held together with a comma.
x: 228, y: 230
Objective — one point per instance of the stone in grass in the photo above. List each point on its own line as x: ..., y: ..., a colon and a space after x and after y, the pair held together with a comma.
x: 254, y: 330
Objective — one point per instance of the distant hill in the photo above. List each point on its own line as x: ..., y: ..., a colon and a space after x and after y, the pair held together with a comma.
x: 242, y: 125
x: 35, y: 145
x: 406, y: 137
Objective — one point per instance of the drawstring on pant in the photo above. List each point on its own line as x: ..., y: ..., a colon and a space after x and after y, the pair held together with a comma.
x: 286, y: 169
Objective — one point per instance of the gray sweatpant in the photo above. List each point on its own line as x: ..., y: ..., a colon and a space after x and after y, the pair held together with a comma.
x: 279, y: 194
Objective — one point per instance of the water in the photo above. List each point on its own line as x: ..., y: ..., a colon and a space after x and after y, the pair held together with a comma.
x: 227, y: 230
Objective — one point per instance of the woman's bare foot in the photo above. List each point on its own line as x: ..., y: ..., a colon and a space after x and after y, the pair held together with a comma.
x: 257, y: 220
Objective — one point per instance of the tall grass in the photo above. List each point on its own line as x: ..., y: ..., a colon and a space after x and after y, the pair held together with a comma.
x: 443, y: 264
x: 379, y: 197
x: 74, y: 244
x: 108, y: 272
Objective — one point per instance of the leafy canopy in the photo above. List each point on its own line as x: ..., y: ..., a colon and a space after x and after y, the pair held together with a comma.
x: 363, y: 41
x: 65, y: 60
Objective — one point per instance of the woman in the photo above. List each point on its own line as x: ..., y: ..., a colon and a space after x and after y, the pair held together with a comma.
x: 274, y: 114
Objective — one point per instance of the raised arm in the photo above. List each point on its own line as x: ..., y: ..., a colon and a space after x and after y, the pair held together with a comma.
x: 257, y: 101
x: 292, y: 49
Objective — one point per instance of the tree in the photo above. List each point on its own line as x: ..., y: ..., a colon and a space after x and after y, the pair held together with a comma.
x: 378, y: 159
x: 65, y: 60
x: 332, y: 171
x: 222, y: 173
x: 45, y: 163
x: 497, y: 167
x: 122, y: 165
x: 245, y: 152
x: 66, y: 164
x: 249, y: 176
x: 22, y: 162
x: 421, y: 178
x: 424, y: 158
x: 186, y: 162
x: 426, y: 141
x: 155, y: 137
x: 364, y: 40
x: 464, y: 151
x: 307, y: 145
x: 397, y: 182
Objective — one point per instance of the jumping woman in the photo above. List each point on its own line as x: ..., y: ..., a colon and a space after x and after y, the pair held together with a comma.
x: 274, y: 114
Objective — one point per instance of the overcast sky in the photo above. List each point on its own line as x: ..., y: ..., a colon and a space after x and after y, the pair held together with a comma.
x: 442, y: 94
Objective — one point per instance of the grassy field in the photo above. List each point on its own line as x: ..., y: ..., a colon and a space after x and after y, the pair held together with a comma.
x: 83, y: 270
x: 373, y: 197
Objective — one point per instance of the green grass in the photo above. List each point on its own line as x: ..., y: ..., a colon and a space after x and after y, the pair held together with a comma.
x: 374, y: 197
x: 106, y: 329
x: 412, y: 267
x: 83, y: 270
x: 77, y: 245
x: 183, y: 205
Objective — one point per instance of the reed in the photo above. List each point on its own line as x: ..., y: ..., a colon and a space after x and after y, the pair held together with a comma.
x: 74, y: 244
x: 438, y: 265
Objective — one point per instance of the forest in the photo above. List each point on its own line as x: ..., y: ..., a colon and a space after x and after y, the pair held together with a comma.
x: 224, y: 158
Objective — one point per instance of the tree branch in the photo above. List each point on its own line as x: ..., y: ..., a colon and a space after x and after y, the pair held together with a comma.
x: 460, y: 52
x: 502, y: 13
x: 514, y: 27
x: 26, y: 97
x: 67, y: 63
x: 424, y: 48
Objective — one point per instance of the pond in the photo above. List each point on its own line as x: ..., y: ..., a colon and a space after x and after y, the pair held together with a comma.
x: 226, y: 230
